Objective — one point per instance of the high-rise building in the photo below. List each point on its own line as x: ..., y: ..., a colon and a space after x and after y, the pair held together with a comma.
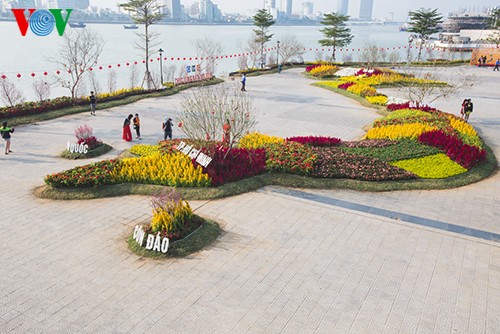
x: 269, y: 4
x: 286, y: 7
x: 307, y: 9
x: 366, y: 10
x: 342, y: 7
x: 74, y: 4
x: 173, y: 9
x: 23, y: 4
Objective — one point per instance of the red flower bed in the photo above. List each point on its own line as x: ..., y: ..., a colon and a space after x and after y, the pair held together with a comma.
x: 316, y: 141
x: 233, y: 164
x: 335, y: 163
x: 92, y: 175
x: 92, y: 142
x: 346, y: 85
x: 311, y: 67
x: 466, y: 155
x: 369, y: 73
x: 410, y: 105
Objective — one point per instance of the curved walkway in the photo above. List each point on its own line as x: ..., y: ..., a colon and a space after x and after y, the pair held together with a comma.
x: 285, y: 264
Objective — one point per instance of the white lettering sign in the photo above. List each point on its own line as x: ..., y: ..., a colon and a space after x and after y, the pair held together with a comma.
x: 77, y: 148
x: 193, y: 153
x: 155, y: 243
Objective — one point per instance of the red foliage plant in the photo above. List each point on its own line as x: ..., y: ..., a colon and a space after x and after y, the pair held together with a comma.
x: 311, y: 67
x: 233, y: 164
x: 369, y: 73
x: 410, y: 105
x: 316, y: 141
x: 346, y: 85
x: 466, y: 155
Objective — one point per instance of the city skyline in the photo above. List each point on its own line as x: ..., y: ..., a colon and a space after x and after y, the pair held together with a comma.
x: 381, y: 8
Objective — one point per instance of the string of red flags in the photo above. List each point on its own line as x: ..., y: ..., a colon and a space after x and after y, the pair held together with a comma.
x: 172, y: 59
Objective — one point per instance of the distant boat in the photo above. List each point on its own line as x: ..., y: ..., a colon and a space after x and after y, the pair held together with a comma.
x: 130, y: 26
x: 77, y: 24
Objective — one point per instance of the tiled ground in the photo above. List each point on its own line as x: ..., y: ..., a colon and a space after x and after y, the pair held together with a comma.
x: 284, y: 264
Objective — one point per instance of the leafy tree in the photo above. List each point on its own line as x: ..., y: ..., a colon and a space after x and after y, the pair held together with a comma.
x: 336, y: 32
x: 146, y: 12
x: 262, y: 20
x: 424, y: 22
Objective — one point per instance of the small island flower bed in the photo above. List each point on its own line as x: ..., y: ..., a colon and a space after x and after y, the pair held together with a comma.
x: 86, y: 145
x: 172, y: 224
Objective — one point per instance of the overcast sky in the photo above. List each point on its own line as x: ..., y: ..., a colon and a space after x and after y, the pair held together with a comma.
x: 381, y: 8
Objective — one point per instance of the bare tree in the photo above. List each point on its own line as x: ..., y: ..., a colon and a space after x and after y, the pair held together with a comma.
x: 206, y: 51
x: 457, y: 80
x: 79, y: 50
x: 494, y: 38
x: 318, y: 55
x: 394, y: 57
x: 146, y: 12
x: 94, y: 83
x: 204, y: 113
x: 251, y: 54
x: 169, y: 73
x: 9, y: 93
x: 290, y: 49
x: 347, y: 57
x: 133, y: 76
x: 42, y: 89
x: 370, y: 55
x: 112, y: 81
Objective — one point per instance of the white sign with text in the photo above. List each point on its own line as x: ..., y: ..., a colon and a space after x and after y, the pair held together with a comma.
x: 154, y: 243
x: 77, y: 148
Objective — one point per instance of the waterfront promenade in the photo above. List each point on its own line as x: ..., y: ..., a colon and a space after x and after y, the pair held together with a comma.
x: 301, y: 261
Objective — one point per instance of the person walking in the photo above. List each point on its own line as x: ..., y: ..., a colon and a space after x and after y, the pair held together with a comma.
x: 137, y: 126
x: 92, y: 103
x: 468, y: 110
x: 243, y: 83
x: 167, y: 128
x: 497, y: 65
x: 127, y: 134
x: 462, y: 110
x: 5, y: 131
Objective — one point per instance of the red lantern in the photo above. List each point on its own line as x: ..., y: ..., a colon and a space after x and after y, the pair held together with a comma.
x: 4, y: 76
x: 45, y: 73
x: 118, y: 65
x: 18, y: 75
x: 190, y: 58
x: 144, y: 62
x: 33, y: 75
x: 58, y: 72
x: 172, y: 59
x: 90, y: 68
x: 151, y: 60
x: 135, y: 63
x: 109, y: 66
x: 184, y: 58
x: 178, y: 58
x: 69, y: 71
x: 100, y: 67
x: 127, y: 64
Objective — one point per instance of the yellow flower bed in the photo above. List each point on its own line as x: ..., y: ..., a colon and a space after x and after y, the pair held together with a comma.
x: 462, y: 127
x: 380, y: 100
x: 118, y: 92
x: 388, y: 78
x: 333, y: 84
x: 324, y: 70
x: 398, y: 131
x: 362, y: 89
x: 145, y: 150
x: 257, y: 140
x: 173, y: 170
x: 437, y: 166
x: 171, y: 216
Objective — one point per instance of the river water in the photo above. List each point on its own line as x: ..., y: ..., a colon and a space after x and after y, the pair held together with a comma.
x: 30, y: 54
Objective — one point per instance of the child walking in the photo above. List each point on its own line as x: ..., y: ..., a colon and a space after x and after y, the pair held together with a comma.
x: 137, y: 126
x: 5, y: 131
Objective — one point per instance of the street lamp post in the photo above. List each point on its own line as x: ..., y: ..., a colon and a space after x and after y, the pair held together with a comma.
x: 160, y: 50
x: 278, y: 55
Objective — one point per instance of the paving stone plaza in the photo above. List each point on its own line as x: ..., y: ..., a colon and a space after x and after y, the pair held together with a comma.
x: 289, y: 261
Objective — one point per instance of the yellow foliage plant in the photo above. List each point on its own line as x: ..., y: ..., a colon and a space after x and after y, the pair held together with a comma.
x: 258, y: 140
x: 398, y: 131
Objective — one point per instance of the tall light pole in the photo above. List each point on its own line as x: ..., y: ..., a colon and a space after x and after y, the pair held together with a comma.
x: 278, y: 55
x: 160, y: 50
